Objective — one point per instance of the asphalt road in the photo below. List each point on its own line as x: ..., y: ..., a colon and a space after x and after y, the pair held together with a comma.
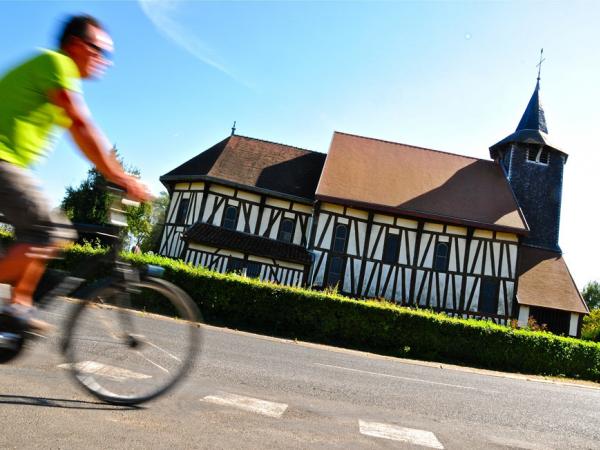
x: 254, y: 392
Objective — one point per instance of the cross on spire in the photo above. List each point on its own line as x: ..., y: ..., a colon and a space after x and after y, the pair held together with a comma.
x: 539, y: 65
x: 233, y: 128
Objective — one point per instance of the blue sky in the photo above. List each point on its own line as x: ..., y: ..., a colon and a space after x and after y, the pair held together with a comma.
x: 454, y: 76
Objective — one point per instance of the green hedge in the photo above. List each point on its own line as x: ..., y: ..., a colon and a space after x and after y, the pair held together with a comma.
x: 381, y: 327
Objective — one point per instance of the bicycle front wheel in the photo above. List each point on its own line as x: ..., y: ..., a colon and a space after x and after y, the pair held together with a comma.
x: 121, y: 351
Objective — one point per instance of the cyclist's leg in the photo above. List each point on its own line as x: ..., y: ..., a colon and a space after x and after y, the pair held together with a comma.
x: 37, y: 232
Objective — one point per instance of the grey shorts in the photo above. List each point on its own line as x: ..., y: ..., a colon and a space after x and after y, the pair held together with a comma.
x: 23, y: 206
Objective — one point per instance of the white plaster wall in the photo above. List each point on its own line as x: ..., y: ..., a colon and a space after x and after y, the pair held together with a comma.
x: 574, y: 322
x: 172, y: 206
x: 496, y: 246
x: 523, y: 315
x: 210, y: 204
x: 319, y: 273
x: 275, y: 228
x: 513, y: 258
x: 297, y: 237
x: 351, y: 249
x: 376, y: 250
x: 428, y: 262
x: 254, y: 218
x: 195, y: 216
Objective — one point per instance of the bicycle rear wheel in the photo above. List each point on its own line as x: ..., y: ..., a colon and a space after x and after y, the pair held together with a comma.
x: 120, y: 351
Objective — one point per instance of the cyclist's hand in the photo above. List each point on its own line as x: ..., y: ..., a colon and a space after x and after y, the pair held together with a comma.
x: 136, y: 190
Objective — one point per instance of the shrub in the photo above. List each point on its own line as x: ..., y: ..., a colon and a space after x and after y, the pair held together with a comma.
x: 382, y: 327
x: 591, y: 326
x: 327, y: 317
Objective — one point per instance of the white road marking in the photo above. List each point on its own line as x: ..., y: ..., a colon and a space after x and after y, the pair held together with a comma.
x: 114, y: 373
x: 405, y: 378
x: 254, y: 405
x: 152, y: 362
x: 40, y: 336
x: 398, y: 433
x: 159, y: 348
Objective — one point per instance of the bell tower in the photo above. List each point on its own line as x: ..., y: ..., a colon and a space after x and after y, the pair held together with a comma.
x: 534, y: 168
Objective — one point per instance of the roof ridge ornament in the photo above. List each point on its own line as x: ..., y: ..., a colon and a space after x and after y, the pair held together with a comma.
x: 539, y: 65
x: 233, y: 128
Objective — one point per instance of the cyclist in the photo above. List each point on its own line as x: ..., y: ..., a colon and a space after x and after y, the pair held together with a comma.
x: 37, y: 97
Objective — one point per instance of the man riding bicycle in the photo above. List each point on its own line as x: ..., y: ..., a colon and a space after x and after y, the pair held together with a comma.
x: 36, y: 97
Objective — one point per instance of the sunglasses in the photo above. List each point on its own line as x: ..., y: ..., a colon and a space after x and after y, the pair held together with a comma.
x: 104, y: 53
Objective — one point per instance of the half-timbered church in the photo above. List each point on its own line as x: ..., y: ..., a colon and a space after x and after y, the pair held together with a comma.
x: 420, y: 227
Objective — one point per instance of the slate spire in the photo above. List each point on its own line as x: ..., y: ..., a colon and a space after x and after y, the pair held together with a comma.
x: 534, y: 117
x: 532, y: 128
x: 534, y: 167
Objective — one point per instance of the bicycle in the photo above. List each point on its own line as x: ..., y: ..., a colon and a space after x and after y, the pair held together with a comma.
x: 112, y: 343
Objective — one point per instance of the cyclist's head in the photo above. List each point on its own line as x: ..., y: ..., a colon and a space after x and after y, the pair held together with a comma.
x: 87, y: 43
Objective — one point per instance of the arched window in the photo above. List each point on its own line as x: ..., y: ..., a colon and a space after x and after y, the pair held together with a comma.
x: 335, y: 271
x: 391, y: 248
x: 184, y: 206
x: 488, y: 296
x: 336, y: 264
x: 339, y: 239
x: 440, y: 262
x: 253, y: 269
x: 235, y: 265
x: 286, y: 230
x: 230, y: 218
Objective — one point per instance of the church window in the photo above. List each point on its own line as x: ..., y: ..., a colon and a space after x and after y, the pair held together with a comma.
x: 440, y: 262
x: 235, y: 265
x: 335, y: 271
x: 184, y: 206
x: 391, y: 248
x: 488, y: 296
x: 286, y: 230
x: 230, y: 218
x: 339, y: 240
x: 253, y: 269
x: 538, y: 155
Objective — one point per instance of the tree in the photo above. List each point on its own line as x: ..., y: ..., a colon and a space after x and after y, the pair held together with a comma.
x: 591, y: 294
x: 138, y: 223
x: 157, y: 222
x: 590, y: 329
x: 89, y: 202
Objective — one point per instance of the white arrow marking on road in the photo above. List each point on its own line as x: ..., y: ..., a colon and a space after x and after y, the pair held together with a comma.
x: 255, y: 405
x: 397, y: 433
x: 114, y: 373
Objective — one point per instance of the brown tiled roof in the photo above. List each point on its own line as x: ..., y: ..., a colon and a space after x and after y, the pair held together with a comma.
x: 255, y: 164
x: 250, y: 244
x: 545, y: 280
x: 406, y: 180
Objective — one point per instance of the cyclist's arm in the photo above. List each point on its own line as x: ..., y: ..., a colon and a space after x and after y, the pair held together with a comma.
x: 92, y: 143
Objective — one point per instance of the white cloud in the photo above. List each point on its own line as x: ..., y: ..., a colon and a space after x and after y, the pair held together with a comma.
x: 162, y: 13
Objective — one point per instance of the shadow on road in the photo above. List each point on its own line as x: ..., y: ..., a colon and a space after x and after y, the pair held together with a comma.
x: 61, y: 403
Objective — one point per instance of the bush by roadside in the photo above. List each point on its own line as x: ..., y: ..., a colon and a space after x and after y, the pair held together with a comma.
x: 381, y: 327
x: 329, y: 318
x: 591, y: 326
